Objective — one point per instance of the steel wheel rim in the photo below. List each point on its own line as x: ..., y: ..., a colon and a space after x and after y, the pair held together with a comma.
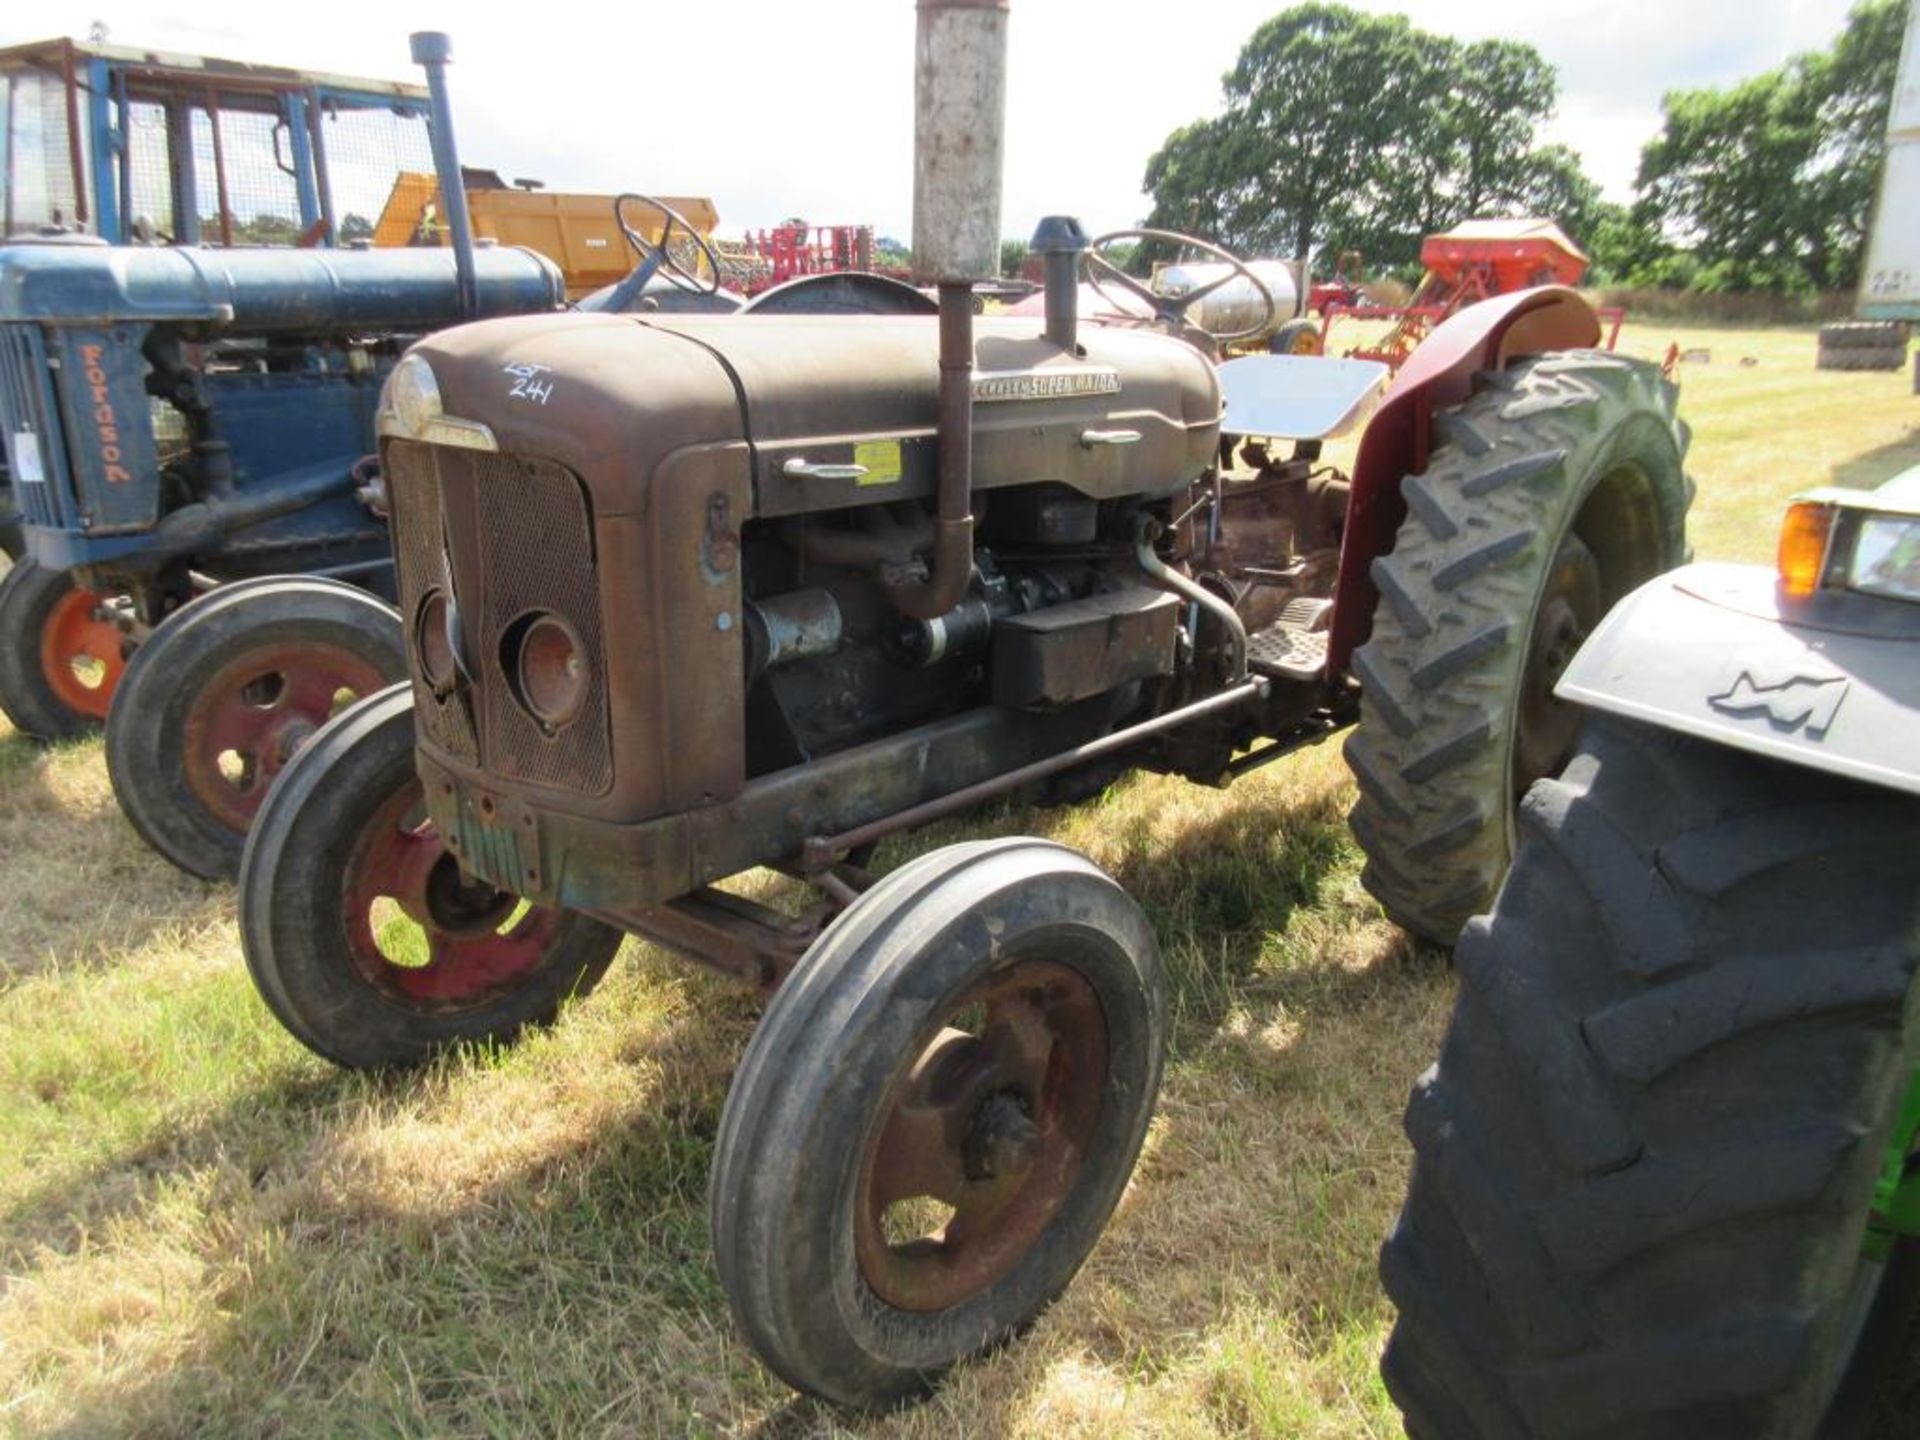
x: 480, y: 943
x: 76, y: 632
x: 261, y: 709
x: 995, y: 1123
x: 1546, y: 727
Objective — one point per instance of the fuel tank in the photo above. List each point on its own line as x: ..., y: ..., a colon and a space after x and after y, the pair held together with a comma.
x: 265, y: 290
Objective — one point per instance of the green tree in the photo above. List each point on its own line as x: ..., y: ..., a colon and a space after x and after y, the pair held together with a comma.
x: 1343, y: 130
x: 1770, y: 185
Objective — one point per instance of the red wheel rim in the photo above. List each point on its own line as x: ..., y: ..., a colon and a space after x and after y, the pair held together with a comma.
x: 80, y: 654
x: 247, y: 722
x: 993, y: 1121
x: 474, y: 945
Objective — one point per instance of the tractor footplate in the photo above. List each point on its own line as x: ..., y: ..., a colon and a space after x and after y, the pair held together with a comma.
x: 1294, y: 647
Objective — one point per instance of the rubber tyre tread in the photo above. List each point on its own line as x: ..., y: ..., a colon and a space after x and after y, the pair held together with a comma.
x: 1684, y: 1275
x: 1864, y: 335
x: 1441, y: 673
x: 28, y: 593
x: 1891, y: 359
x: 145, y: 735
x: 291, y: 887
x: 795, y: 1125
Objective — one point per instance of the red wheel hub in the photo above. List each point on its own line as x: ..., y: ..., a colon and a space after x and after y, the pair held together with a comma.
x: 248, y: 721
x: 472, y: 944
x: 993, y: 1122
x: 80, y: 653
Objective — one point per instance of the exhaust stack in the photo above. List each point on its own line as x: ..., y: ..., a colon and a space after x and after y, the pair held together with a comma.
x: 959, y: 130
x: 433, y: 51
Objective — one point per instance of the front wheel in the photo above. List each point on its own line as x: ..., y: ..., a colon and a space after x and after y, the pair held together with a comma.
x: 62, y: 653
x: 363, y: 934
x: 936, y: 1117
x: 218, y: 699
x: 1652, y: 1168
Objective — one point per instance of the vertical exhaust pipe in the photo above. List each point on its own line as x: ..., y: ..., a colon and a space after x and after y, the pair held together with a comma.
x: 959, y: 133
x: 433, y: 52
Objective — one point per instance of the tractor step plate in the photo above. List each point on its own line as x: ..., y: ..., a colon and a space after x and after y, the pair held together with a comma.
x: 1287, y: 652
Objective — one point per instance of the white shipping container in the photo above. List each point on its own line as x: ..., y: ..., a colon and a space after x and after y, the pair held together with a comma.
x: 1890, y: 289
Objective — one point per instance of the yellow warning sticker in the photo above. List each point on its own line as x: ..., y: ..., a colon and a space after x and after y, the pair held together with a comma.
x: 882, y: 459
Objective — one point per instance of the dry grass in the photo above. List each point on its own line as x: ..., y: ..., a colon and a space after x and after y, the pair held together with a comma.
x: 204, y: 1231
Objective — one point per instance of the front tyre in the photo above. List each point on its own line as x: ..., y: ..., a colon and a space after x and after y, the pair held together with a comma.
x: 221, y: 696
x: 362, y: 933
x: 1645, y: 1164
x: 1552, y: 493
x: 62, y: 653
x: 936, y: 1117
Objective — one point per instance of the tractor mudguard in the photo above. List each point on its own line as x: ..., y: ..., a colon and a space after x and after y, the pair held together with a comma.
x: 1714, y: 651
x: 1487, y: 336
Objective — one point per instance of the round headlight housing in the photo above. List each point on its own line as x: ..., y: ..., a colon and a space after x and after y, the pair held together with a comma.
x: 549, y: 669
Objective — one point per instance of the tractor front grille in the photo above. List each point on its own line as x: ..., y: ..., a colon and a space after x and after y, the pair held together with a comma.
x: 420, y: 561
x: 29, y: 415
x: 536, y: 554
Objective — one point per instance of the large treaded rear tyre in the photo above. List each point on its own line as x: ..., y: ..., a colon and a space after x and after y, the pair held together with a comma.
x: 1644, y: 1162
x: 1552, y: 492
x: 1884, y: 359
x: 1864, y: 335
x: 221, y: 695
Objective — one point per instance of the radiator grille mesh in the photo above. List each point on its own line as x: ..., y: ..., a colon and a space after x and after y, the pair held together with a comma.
x: 413, y: 491
x: 536, y: 554
x: 536, y: 542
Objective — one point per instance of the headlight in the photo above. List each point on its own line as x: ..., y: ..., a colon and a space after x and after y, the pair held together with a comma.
x: 433, y: 642
x: 549, y: 668
x: 412, y: 397
x: 411, y: 409
x: 1886, y: 557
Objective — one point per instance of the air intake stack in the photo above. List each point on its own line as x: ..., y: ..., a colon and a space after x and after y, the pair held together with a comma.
x: 960, y: 107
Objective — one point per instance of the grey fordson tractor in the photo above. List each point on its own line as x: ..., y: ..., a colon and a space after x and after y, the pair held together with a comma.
x: 684, y: 597
x: 1665, y: 1179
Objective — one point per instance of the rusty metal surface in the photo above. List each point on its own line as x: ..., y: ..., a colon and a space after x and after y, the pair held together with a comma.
x: 536, y: 558
x: 993, y: 1120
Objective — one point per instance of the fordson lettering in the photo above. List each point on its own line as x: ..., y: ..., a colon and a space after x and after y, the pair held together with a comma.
x: 1050, y: 384
x: 104, y: 418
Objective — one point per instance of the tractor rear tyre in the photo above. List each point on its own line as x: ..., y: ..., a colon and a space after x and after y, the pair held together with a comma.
x: 61, y: 654
x: 1864, y: 335
x: 221, y: 695
x: 362, y: 933
x: 1552, y: 492
x: 936, y: 1117
x: 1885, y: 359
x: 1645, y: 1164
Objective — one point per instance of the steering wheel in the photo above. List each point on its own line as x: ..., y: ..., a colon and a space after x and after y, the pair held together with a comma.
x: 657, y: 257
x: 1172, y: 309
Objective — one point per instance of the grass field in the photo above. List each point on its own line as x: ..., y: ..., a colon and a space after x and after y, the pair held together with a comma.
x: 204, y: 1231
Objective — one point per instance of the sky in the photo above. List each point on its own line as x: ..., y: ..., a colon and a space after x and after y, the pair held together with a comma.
x: 784, y: 109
